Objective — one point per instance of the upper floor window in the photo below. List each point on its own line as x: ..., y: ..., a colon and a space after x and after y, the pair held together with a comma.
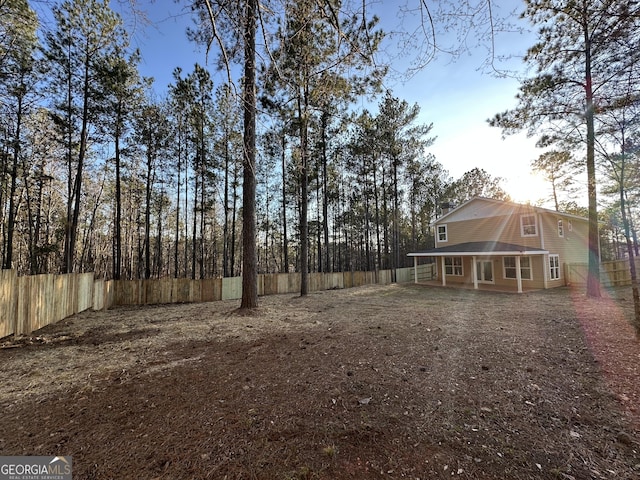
x: 560, y: 228
x: 442, y: 233
x: 528, y: 226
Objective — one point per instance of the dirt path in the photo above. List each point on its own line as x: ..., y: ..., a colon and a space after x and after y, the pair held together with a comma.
x: 374, y: 382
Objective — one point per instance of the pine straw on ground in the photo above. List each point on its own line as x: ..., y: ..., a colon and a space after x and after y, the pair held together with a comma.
x: 401, y: 381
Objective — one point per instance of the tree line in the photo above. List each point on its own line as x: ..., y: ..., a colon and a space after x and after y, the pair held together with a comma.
x: 280, y: 168
x: 99, y: 174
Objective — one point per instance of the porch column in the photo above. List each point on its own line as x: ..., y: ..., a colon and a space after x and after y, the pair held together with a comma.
x: 474, y: 270
x: 444, y: 276
x: 518, y: 274
x: 415, y: 269
x: 545, y: 270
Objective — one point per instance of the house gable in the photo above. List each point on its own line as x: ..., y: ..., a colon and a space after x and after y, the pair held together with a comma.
x: 476, y: 208
x: 480, y: 207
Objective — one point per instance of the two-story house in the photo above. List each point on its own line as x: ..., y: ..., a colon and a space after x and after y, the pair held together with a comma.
x: 507, y: 245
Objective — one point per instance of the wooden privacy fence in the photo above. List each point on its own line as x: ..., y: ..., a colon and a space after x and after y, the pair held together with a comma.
x: 171, y: 290
x: 612, y: 274
x: 32, y: 302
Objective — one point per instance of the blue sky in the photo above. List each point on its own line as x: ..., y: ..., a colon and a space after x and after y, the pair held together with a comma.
x: 454, y: 96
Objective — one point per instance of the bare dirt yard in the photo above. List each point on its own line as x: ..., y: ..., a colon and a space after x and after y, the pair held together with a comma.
x: 378, y: 382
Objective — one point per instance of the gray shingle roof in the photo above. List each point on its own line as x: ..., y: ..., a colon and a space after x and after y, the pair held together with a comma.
x: 484, y: 248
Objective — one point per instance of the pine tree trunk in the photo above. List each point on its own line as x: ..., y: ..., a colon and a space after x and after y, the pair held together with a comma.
x: 318, y: 221
x: 249, y: 257
x: 66, y: 254
x: 385, y: 223
x: 626, y: 224
x: 194, y: 221
x: 177, y: 231
x: 225, y: 227
x: 202, y: 225
x: 11, y: 214
x: 631, y: 256
x: 159, y: 260
x: 325, y: 195
x: 147, y: 217
x: 234, y: 216
x: 70, y: 245
x: 377, y: 215
x: 593, y: 278
x: 304, y: 194
x: 117, y: 254
x: 396, y: 222
x: 285, y: 244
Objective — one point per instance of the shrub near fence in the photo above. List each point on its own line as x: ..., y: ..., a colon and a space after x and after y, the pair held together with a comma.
x: 32, y: 302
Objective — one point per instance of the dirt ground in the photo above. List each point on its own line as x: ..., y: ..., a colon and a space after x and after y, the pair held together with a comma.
x: 400, y: 381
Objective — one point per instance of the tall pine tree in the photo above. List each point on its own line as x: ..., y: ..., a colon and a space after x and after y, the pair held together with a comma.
x: 85, y: 31
x: 584, y: 54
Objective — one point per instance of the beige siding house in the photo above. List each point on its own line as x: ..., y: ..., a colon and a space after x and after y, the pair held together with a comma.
x: 506, y: 245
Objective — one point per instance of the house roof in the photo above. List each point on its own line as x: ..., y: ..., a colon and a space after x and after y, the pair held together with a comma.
x: 484, y: 248
x: 503, y: 204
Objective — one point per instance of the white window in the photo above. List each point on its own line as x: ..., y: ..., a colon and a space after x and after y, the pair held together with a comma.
x: 528, y: 226
x: 442, y: 233
x: 570, y: 225
x: 560, y: 228
x: 453, y: 266
x: 510, y: 271
x: 554, y: 267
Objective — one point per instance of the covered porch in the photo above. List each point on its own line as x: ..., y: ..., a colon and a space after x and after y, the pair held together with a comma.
x: 497, y: 265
